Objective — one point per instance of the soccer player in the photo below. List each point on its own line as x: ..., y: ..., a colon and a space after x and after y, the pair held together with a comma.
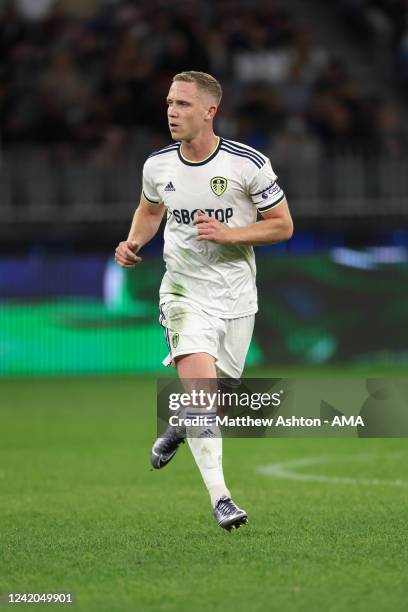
x: 212, y: 191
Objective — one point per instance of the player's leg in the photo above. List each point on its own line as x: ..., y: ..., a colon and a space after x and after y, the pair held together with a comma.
x: 198, y: 372
x: 196, y: 365
x: 188, y: 332
x: 232, y: 352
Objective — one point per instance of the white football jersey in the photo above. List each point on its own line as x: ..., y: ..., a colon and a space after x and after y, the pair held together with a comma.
x: 232, y: 184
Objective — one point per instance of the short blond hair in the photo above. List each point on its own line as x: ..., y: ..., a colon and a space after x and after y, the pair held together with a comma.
x: 205, y: 82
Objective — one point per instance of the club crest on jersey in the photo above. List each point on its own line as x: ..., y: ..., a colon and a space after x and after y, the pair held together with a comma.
x: 218, y: 185
x: 175, y: 340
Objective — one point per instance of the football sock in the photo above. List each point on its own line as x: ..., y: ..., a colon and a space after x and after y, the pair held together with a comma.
x: 206, y: 446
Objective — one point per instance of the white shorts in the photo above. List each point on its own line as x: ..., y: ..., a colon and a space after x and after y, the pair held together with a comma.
x: 188, y: 329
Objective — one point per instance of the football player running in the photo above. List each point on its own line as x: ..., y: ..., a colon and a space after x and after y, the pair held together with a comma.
x: 212, y: 190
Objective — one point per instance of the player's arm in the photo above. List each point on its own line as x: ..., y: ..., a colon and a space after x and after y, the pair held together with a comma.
x: 145, y: 224
x: 275, y: 226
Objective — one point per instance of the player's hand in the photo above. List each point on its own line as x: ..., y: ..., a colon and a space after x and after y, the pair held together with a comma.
x: 125, y: 254
x: 209, y: 228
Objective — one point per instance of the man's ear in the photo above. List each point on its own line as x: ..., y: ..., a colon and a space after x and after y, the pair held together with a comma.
x: 211, y: 111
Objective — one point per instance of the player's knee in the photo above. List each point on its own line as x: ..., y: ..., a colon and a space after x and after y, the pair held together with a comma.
x: 195, y: 365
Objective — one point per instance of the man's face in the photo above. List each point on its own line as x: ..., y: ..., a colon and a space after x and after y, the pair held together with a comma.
x: 188, y: 110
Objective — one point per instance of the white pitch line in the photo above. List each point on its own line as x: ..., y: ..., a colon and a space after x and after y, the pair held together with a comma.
x: 287, y: 471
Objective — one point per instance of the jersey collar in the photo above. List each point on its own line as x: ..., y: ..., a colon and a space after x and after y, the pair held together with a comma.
x: 203, y: 161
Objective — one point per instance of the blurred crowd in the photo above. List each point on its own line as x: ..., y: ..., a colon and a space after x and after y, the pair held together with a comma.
x: 381, y: 26
x: 87, y: 79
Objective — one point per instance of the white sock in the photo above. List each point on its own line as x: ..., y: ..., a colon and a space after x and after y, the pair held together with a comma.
x: 207, y: 452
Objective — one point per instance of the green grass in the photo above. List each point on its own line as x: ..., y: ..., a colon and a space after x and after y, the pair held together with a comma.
x: 81, y: 511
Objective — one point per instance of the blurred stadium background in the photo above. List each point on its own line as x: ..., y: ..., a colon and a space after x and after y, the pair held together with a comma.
x: 321, y: 87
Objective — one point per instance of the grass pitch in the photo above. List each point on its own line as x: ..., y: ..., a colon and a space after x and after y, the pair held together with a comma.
x: 81, y: 511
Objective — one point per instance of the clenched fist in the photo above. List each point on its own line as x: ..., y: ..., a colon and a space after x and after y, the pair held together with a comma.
x: 209, y: 228
x: 125, y: 254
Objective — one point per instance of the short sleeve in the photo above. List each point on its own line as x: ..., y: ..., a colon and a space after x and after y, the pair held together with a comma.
x: 263, y: 189
x: 149, y: 188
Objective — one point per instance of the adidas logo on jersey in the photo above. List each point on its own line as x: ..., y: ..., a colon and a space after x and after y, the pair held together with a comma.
x: 169, y: 187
